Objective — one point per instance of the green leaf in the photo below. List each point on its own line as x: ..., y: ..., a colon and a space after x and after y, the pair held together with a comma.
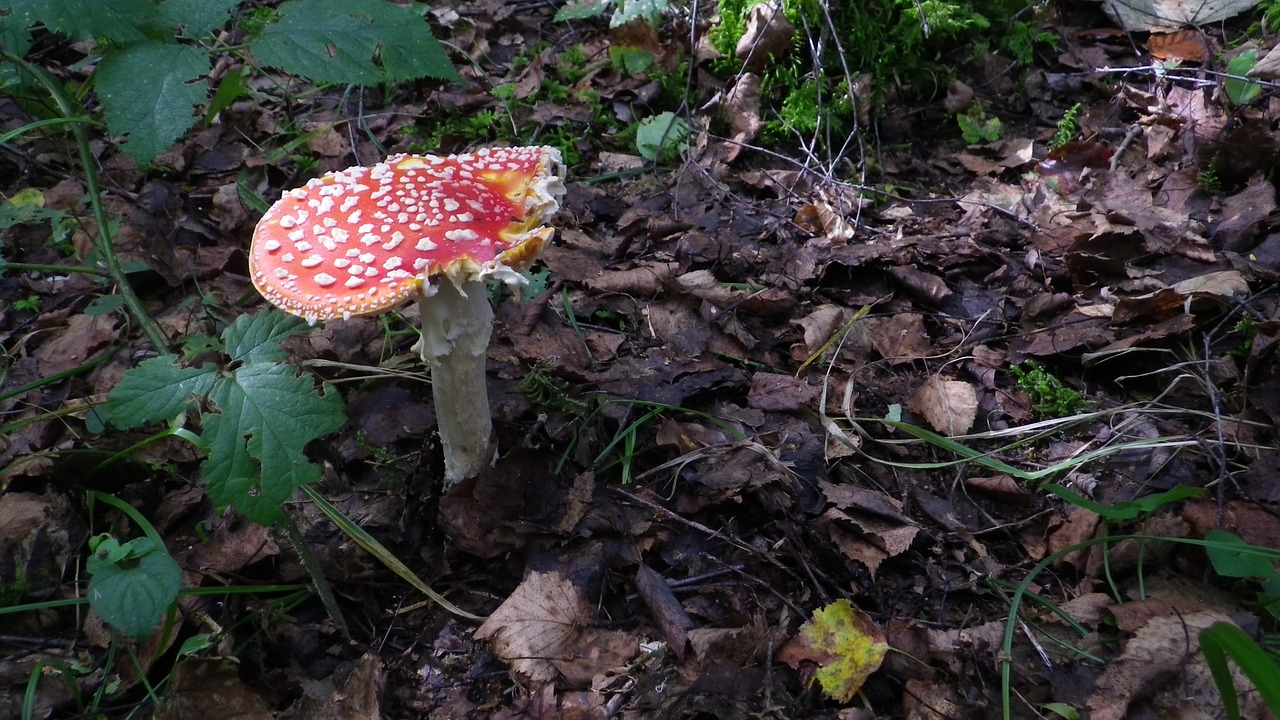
x: 1125, y: 509
x: 232, y: 88
x: 1236, y: 560
x: 629, y: 10
x: 581, y: 10
x: 15, y: 36
x: 338, y: 40
x: 134, y: 584
x: 156, y: 391
x: 256, y: 338
x: 197, y: 17
x: 661, y: 136
x: 118, y: 20
x: 1241, y: 91
x: 1223, y: 640
x: 149, y: 92
x: 266, y: 416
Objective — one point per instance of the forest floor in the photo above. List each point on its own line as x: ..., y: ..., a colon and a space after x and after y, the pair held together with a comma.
x: 922, y: 375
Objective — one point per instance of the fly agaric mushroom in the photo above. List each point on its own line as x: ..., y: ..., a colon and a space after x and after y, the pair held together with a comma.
x: 362, y: 240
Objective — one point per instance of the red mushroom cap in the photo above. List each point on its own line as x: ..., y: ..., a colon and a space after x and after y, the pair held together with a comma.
x: 364, y: 239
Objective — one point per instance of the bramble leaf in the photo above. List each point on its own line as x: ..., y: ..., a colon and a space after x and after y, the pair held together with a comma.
x: 256, y: 339
x: 265, y: 415
x: 156, y: 391
x: 149, y: 91
x: 852, y: 642
x: 197, y: 17
x: 119, y: 20
x: 338, y: 40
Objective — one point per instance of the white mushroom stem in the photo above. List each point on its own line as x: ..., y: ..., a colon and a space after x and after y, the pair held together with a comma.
x: 456, y: 324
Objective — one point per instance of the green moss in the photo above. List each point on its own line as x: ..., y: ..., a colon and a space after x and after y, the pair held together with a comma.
x: 12, y: 593
x: 1049, y: 397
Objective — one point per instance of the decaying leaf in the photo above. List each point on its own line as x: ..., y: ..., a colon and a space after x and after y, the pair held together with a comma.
x: 846, y: 645
x: 540, y: 631
x: 950, y: 406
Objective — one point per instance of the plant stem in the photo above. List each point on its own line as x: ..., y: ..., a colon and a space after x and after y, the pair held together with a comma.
x: 318, y: 580
x: 113, y: 267
x: 37, y: 267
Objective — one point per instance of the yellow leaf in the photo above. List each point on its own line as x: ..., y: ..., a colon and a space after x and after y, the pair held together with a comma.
x: 853, y: 645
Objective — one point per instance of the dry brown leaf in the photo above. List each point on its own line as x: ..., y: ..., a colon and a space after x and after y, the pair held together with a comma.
x: 819, y: 326
x: 1162, y: 651
x: 768, y: 35
x: 540, y: 631
x: 741, y: 110
x: 1182, y: 45
x: 949, y: 406
x: 211, y: 689
x: 899, y: 338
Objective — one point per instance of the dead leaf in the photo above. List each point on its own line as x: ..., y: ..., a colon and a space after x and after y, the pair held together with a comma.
x: 211, y: 689
x: 949, y: 406
x: 1169, y: 15
x: 768, y: 35
x: 772, y: 392
x: 741, y: 110
x: 541, y: 631
x: 899, y: 338
x: 846, y: 645
x: 1162, y: 669
x: 1188, y: 45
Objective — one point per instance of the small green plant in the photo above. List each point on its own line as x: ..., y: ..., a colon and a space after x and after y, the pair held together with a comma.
x: 546, y: 391
x: 1068, y: 127
x: 260, y: 414
x: 1049, y: 397
x: 1210, y: 177
x: 1247, y: 329
x: 30, y: 303
x: 976, y: 127
x: 133, y: 583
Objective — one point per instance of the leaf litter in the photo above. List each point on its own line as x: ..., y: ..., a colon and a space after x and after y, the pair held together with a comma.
x: 698, y: 331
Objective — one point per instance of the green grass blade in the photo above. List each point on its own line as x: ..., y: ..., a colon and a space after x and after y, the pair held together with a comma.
x: 379, y: 551
x: 1224, y: 640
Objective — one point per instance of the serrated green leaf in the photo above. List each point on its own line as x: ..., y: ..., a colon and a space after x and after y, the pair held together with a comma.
x: 338, y: 40
x: 629, y: 10
x: 149, y: 92
x: 197, y: 17
x: 133, y: 584
x: 119, y: 20
x: 156, y: 391
x: 256, y: 338
x: 581, y: 10
x: 265, y: 416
